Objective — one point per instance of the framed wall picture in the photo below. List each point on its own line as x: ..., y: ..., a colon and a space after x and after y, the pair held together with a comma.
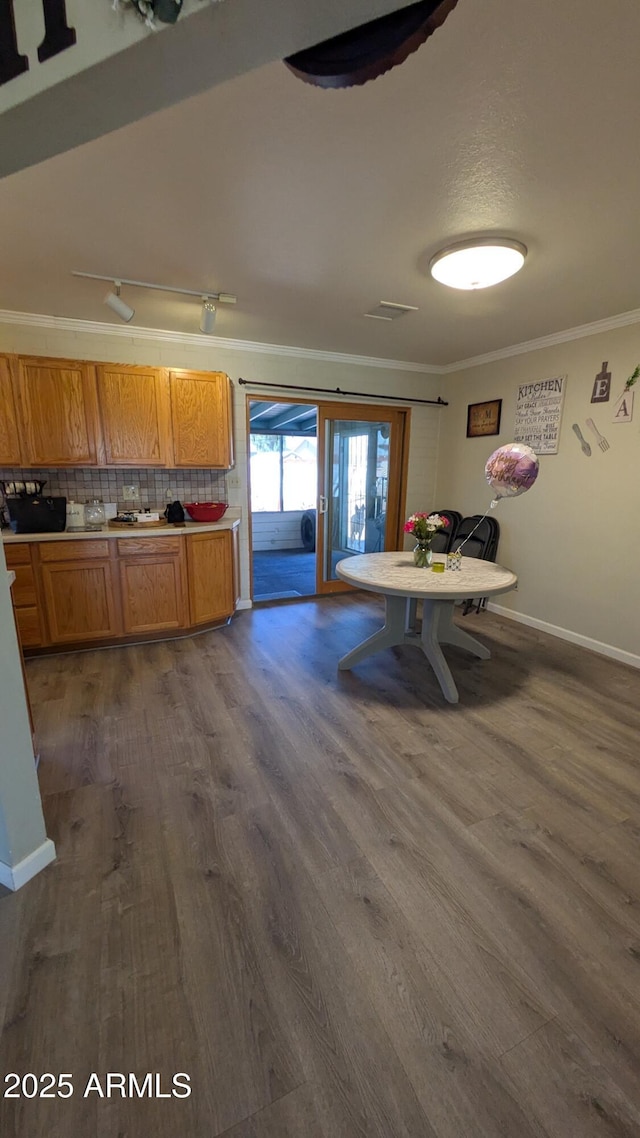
x: 484, y: 418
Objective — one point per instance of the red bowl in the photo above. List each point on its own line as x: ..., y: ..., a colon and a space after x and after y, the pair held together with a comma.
x: 205, y: 511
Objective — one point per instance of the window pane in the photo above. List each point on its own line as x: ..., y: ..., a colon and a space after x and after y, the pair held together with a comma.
x: 360, y: 476
x: 265, y: 473
x: 299, y: 473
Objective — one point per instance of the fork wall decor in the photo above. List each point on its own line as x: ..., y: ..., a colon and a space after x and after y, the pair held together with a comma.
x: 600, y: 439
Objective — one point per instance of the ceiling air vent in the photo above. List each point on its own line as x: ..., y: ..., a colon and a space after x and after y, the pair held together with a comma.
x: 386, y: 310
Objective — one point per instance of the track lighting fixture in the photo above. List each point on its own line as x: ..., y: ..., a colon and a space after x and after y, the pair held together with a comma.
x: 209, y: 299
x: 113, y: 301
x: 207, y: 316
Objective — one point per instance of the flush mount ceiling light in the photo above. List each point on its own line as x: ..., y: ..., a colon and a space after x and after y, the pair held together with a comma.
x: 125, y: 312
x: 478, y: 263
x: 113, y: 301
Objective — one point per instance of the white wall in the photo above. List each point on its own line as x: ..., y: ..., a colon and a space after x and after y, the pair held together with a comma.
x: 276, y: 530
x: 264, y: 367
x: 24, y: 847
x: 574, y: 538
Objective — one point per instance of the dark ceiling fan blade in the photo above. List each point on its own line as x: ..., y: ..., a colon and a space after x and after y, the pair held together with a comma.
x: 363, y: 53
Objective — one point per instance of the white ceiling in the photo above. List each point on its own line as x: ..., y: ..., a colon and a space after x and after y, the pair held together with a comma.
x: 312, y: 206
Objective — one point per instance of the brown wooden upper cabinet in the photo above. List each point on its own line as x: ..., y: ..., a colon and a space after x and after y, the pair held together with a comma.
x: 58, y: 412
x: 134, y: 409
x: 9, y: 436
x: 201, y: 419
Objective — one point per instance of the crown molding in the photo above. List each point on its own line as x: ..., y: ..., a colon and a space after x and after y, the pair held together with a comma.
x: 192, y: 339
x: 195, y: 340
x: 622, y: 320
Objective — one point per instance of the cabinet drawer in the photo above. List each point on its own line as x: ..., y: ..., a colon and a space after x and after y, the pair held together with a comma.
x: 73, y: 550
x: 147, y: 546
x: 23, y: 589
x: 29, y: 627
x: 17, y: 555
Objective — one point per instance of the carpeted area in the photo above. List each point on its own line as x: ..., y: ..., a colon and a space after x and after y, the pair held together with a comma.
x: 288, y: 571
x: 282, y: 573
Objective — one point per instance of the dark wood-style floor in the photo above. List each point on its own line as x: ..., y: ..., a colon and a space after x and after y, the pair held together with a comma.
x: 342, y: 906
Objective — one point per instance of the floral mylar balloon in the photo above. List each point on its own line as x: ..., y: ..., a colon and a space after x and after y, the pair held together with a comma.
x: 512, y: 469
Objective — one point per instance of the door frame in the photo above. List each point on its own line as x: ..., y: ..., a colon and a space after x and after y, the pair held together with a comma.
x: 399, y: 418
x: 374, y: 411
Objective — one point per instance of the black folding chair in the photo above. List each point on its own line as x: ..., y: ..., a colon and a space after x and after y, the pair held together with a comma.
x: 480, y: 537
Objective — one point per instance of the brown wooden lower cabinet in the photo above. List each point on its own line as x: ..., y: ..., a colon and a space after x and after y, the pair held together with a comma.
x: 152, y: 593
x: 24, y: 591
x: 29, y: 626
x: 211, y: 577
x: 24, y: 679
x: 70, y: 592
x: 80, y: 601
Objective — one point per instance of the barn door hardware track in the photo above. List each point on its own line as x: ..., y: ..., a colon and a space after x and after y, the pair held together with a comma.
x: 338, y: 391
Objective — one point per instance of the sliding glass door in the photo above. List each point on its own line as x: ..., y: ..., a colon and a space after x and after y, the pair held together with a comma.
x: 361, y: 451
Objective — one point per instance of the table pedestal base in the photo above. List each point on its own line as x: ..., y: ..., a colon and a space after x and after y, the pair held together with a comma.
x: 437, y: 628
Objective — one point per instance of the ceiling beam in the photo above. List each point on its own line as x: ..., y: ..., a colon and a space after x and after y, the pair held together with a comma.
x: 291, y: 415
x: 267, y: 408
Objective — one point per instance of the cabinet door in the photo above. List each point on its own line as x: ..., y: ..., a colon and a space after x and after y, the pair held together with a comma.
x: 152, y: 593
x: 29, y: 627
x: 211, y: 584
x: 21, y: 644
x: 134, y: 408
x: 80, y: 600
x: 58, y: 412
x: 201, y: 419
x: 24, y: 592
x: 9, y: 434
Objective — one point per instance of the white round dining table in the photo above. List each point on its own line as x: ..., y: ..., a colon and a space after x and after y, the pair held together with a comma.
x: 395, y: 577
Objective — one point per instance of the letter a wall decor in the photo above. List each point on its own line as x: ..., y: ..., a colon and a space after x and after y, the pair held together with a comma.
x: 623, y: 407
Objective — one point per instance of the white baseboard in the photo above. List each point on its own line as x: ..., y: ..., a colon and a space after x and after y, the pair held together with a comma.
x: 244, y: 604
x: 15, y: 876
x: 567, y: 634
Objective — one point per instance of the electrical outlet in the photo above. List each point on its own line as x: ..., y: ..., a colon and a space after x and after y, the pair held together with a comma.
x: 131, y: 493
x: 169, y: 495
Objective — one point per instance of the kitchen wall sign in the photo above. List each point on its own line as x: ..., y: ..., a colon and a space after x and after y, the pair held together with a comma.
x: 484, y: 418
x: 539, y: 414
x: 602, y: 386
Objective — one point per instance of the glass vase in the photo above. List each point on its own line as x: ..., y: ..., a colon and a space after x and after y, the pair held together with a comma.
x: 422, y: 555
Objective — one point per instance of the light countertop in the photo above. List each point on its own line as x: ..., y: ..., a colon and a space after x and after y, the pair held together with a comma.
x: 231, y: 520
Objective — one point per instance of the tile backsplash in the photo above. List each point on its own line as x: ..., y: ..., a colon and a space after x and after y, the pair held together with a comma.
x: 82, y: 485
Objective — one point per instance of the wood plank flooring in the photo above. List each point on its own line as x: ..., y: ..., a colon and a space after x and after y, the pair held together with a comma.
x: 344, y: 907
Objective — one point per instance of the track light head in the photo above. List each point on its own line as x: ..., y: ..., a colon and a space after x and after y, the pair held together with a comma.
x: 207, y: 316
x: 210, y: 300
x: 113, y: 301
